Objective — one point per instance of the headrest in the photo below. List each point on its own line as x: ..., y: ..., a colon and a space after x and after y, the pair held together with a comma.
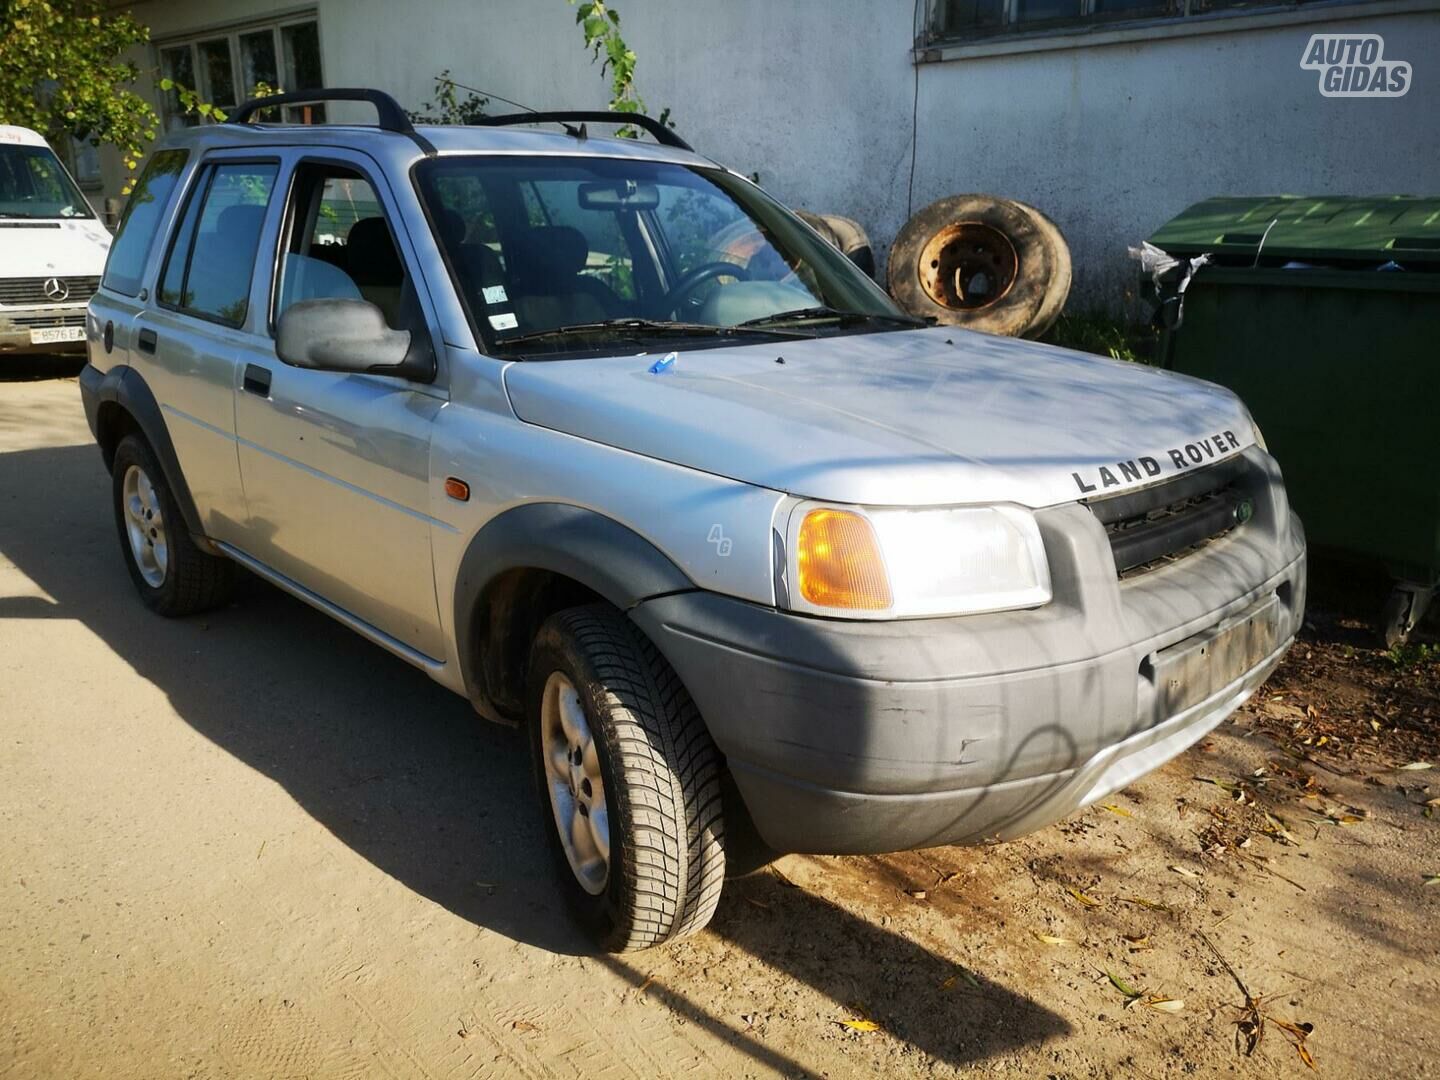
x: 240, y: 223
x: 371, y: 257
x: 451, y: 227
x: 549, y: 254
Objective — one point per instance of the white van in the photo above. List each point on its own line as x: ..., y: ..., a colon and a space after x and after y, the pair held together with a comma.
x: 52, y: 248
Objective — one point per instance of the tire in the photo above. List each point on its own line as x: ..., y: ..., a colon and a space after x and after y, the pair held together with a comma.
x: 853, y: 240
x: 845, y: 234
x: 606, y: 711
x: 983, y: 263
x: 173, y: 576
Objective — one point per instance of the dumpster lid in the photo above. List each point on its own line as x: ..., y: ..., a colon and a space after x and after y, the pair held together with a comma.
x: 1319, y: 229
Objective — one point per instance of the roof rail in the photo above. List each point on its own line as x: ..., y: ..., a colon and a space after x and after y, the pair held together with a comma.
x: 387, y: 110
x: 662, y: 134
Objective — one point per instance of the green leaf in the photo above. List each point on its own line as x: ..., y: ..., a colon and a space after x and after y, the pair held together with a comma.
x: 1121, y: 985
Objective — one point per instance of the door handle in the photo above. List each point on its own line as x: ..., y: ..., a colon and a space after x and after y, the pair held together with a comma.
x: 257, y: 380
x: 147, y: 341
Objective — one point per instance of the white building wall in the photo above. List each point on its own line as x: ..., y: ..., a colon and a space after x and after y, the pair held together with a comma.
x: 817, y: 96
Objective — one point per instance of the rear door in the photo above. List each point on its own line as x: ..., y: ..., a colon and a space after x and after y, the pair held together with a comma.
x: 129, y: 270
x: 202, y: 326
x: 336, y: 466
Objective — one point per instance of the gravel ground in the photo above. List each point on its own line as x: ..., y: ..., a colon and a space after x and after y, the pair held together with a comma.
x: 251, y: 844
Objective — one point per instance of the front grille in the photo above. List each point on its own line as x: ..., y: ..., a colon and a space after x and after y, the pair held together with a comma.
x: 1161, y: 524
x: 31, y: 290
x: 44, y: 321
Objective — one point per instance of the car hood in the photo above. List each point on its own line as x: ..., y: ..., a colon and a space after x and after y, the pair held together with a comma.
x: 55, y: 248
x: 915, y: 418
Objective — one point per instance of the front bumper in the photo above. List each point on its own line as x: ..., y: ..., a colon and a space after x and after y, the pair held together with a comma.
x: 853, y: 737
x: 17, y: 324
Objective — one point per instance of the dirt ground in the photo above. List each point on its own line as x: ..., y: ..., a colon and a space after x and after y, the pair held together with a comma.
x: 251, y: 844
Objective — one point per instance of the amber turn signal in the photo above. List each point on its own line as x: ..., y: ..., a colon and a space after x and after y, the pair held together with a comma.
x: 839, y: 562
x: 457, y: 489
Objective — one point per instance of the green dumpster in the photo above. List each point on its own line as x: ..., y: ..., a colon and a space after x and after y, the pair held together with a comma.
x: 1323, y: 314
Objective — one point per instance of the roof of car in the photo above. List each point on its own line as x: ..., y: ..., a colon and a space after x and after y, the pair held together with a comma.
x: 447, y: 140
x: 21, y: 136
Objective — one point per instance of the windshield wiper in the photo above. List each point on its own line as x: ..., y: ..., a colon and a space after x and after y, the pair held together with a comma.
x: 647, y: 327
x: 844, y: 318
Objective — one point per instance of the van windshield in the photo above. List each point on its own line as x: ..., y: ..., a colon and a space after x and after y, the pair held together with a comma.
x: 572, y: 254
x: 33, y: 184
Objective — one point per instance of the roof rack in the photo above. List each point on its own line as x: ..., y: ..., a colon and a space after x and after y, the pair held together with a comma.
x: 387, y: 110
x: 662, y: 134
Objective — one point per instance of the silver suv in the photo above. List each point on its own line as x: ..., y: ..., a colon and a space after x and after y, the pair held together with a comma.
x: 596, y: 433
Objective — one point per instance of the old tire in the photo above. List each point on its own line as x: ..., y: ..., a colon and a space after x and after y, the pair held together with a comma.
x: 983, y: 263
x: 173, y: 576
x: 846, y: 234
x: 626, y: 769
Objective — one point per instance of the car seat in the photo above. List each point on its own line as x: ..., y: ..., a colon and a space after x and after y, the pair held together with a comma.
x: 374, y: 265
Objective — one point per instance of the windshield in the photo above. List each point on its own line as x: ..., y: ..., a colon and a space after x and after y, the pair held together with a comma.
x: 568, y: 253
x: 33, y: 184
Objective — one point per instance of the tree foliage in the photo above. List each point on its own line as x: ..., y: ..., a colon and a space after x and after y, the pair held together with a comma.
x: 62, y: 74
x: 600, y: 24
x: 448, y: 107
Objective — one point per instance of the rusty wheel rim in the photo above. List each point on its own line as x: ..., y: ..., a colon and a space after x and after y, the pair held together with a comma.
x: 968, y: 265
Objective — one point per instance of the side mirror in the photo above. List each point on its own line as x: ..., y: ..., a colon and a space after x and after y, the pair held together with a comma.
x: 345, y: 335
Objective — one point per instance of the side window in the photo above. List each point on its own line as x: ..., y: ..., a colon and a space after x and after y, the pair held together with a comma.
x: 339, y: 245
x: 141, y: 220
x: 208, y: 270
x: 704, y: 228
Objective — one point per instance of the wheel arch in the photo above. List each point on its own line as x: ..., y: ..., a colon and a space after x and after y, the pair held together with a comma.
x: 119, y: 402
x: 530, y: 562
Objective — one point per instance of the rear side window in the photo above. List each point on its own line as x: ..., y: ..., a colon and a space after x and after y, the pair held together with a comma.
x: 212, y: 258
x: 142, y: 217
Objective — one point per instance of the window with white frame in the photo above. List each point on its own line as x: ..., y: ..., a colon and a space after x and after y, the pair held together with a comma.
x: 968, y: 20
x: 228, y: 67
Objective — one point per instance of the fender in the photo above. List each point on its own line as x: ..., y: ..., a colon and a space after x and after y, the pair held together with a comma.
x: 125, y: 387
x: 605, y: 557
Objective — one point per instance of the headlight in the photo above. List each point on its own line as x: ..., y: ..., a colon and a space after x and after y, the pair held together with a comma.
x: 891, y: 563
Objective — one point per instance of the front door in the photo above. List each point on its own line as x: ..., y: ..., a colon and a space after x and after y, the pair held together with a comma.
x: 335, y: 466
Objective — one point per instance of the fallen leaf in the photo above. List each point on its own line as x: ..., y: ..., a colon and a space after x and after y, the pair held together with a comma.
x: 1121, y: 985
x: 918, y: 894
x: 1050, y: 939
x: 1432, y: 879
x: 949, y: 983
x: 1137, y: 939
x: 862, y: 1024
x: 1088, y: 901
x: 523, y: 1025
x: 1415, y: 766
x: 1183, y: 872
x: 1116, y: 809
x: 1163, y: 1004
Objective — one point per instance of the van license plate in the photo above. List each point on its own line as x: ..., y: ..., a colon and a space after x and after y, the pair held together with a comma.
x: 1189, y: 671
x: 50, y: 335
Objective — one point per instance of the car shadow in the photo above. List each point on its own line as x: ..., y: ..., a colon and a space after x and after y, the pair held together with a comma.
x: 404, y: 773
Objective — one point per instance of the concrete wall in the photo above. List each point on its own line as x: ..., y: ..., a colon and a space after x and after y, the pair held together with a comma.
x: 817, y: 96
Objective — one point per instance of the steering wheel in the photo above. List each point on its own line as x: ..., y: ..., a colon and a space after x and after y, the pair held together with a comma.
x: 681, y: 293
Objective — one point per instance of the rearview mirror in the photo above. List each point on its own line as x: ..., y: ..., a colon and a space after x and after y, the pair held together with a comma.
x: 336, y: 334
x: 619, y: 195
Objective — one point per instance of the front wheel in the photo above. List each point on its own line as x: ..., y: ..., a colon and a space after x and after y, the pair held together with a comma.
x: 173, y: 576
x: 629, y: 781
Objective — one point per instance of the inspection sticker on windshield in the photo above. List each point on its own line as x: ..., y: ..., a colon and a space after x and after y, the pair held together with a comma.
x: 494, y: 294
x: 504, y: 321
